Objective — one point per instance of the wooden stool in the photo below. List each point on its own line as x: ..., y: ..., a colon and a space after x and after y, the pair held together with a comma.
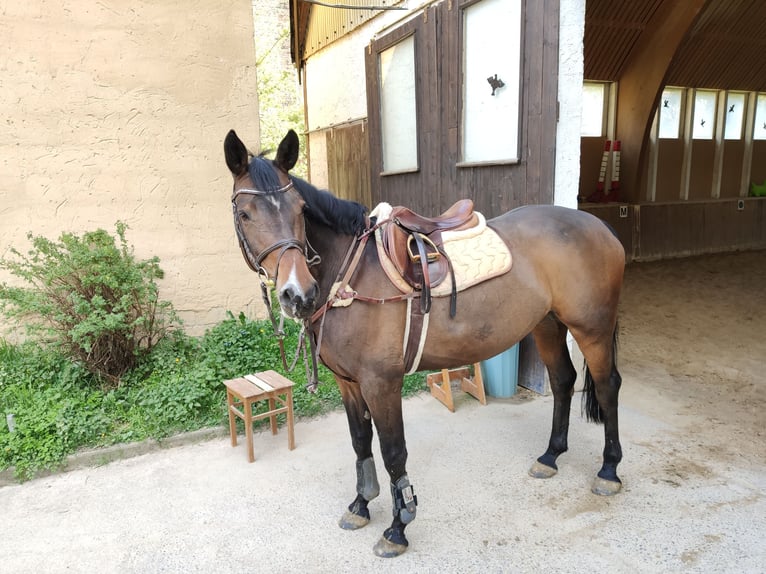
x: 244, y: 392
x: 442, y: 391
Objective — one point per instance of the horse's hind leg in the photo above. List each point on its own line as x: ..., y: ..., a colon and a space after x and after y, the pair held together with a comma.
x: 360, y: 426
x: 602, y: 386
x: 550, y: 339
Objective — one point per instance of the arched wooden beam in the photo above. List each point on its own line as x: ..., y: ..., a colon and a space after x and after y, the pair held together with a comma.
x: 641, y: 84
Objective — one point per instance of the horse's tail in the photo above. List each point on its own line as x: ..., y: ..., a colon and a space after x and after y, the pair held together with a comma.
x: 590, y: 406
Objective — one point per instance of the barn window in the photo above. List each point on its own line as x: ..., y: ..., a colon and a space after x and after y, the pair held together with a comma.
x: 398, y: 110
x: 491, y: 81
x: 759, y: 130
x: 734, y: 116
x: 670, y: 113
x: 594, y: 99
x: 703, y: 124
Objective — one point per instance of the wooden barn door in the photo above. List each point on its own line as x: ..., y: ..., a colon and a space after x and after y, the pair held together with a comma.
x: 348, y: 167
x: 470, y: 86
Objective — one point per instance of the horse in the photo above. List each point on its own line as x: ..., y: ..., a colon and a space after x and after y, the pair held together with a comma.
x: 566, y: 275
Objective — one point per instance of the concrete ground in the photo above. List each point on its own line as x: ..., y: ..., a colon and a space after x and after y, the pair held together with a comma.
x: 694, y: 473
x: 203, y: 508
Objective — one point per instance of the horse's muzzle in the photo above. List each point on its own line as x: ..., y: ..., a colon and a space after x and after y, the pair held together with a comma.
x: 296, y: 302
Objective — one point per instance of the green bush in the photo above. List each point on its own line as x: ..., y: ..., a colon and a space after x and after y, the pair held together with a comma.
x: 91, y: 298
x: 174, y: 388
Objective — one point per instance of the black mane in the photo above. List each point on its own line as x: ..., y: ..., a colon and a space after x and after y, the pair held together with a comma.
x: 322, y: 207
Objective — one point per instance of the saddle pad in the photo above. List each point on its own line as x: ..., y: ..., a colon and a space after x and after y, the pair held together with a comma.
x: 477, y: 254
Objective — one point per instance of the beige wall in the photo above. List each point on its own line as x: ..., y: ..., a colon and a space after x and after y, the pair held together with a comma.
x: 117, y: 110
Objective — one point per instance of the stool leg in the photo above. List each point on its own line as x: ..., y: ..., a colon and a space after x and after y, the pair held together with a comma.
x: 232, y: 418
x: 248, y: 411
x: 273, y: 418
x: 290, y: 421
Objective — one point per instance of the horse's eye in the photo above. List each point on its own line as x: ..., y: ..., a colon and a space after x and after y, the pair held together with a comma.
x: 243, y: 216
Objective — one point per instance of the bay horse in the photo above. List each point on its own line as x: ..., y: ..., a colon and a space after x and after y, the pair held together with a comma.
x: 566, y: 274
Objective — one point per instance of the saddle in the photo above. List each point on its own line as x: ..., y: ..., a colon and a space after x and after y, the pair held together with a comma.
x: 414, y: 245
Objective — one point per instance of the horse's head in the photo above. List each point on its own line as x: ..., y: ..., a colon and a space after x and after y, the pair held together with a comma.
x: 268, y: 218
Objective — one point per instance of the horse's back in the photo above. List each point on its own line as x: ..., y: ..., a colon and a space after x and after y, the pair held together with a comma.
x: 571, y: 253
x: 555, y: 231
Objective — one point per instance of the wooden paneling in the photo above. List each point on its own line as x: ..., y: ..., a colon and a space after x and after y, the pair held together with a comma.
x: 679, y: 229
x: 731, y: 170
x: 440, y: 180
x: 669, y: 164
x: 348, y: 163
x: 611, y: 31
x: 724, y: 48
x: 701, y: 177
x: 758, y: 169
x: 693, y: 228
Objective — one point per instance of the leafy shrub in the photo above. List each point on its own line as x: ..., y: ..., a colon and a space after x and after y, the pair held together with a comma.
x: 174, y: 388
x: 91, y: 298
x: 55, y: 406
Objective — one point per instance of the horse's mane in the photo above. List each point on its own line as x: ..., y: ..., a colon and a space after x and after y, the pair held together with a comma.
x: 322, y: 207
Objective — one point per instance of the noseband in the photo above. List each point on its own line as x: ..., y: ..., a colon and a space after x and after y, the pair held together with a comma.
x: 253, y: 261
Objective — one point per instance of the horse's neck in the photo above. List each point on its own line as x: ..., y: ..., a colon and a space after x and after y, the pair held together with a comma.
x: 332, y: 248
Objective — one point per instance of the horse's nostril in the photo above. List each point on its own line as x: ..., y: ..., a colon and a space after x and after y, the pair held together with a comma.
x: 288, y: 295
x: 299, y: 301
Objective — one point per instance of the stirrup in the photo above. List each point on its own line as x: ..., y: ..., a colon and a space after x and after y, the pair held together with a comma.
x: 431, y: 256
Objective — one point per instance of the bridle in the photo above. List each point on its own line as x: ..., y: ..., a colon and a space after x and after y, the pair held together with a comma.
x: 254, y: 261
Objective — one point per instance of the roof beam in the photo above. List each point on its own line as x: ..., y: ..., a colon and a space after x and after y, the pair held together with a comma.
x: 641, y: 84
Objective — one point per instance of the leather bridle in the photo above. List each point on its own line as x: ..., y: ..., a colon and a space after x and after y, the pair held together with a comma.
x: 255, y: 261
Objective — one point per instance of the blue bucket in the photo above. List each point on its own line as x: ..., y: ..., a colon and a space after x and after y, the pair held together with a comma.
x: 501, y: 373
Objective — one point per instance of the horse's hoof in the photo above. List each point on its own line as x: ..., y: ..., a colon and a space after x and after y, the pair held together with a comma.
x: 540, y: 470
x: 604, y: 487
x: 387, y: 549
x: 351, y: 521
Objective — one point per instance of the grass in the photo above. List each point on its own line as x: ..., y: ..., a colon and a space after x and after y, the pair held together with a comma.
x: 59, y: 408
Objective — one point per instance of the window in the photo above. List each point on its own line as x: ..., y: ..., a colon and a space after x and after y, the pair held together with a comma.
x: 734, y: 117
x: 703, y: 126
x: 593, y: 106
x: 759, y: 130
x: 491, y: 80
x: 670, y: 113
x: 398, y: 110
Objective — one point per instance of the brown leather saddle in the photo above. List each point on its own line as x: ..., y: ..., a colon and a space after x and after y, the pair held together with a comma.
x: 414, y: 245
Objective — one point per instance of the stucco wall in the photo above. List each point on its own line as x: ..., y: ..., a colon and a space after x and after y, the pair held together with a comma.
x: 117, y: 110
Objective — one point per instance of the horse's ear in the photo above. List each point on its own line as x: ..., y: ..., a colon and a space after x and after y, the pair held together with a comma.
x: 287, y: 153
x: 236, y: 154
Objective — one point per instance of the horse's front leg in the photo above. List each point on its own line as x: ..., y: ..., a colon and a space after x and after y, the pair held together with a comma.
x: 385, y: 403
x: 360, y: 426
